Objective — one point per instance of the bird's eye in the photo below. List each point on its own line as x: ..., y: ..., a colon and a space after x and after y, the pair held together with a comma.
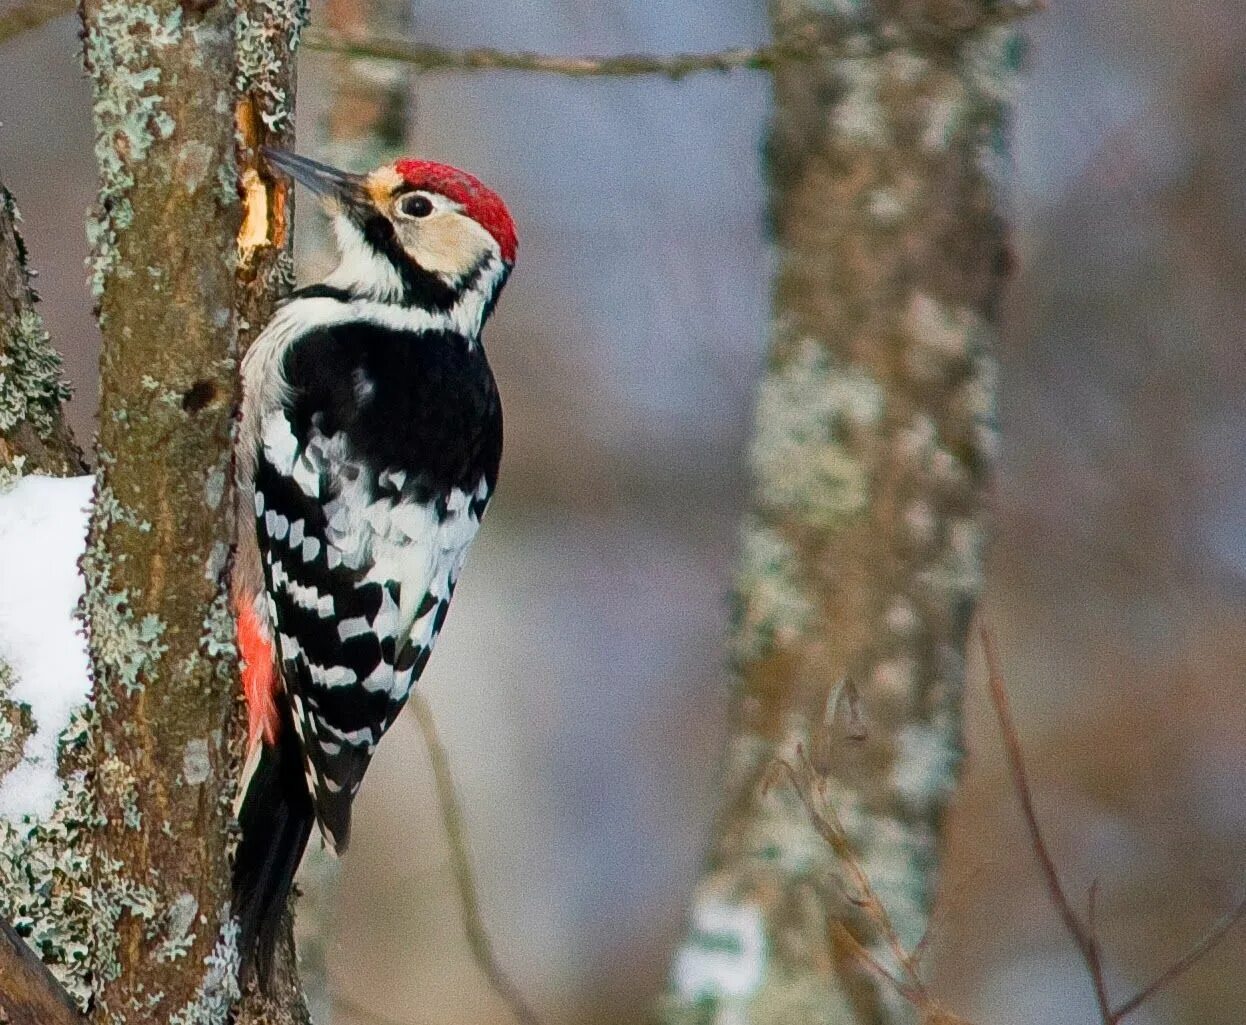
x: 416, y: 205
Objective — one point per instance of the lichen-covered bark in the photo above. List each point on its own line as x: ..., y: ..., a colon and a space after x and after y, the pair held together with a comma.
x: 862, y: 553
x: 45, y: 880
x: 170, y: 78
x: 33, y: 434
x: 161, y: 640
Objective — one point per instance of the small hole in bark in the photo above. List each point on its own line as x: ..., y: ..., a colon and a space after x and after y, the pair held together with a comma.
x: 198, y: 395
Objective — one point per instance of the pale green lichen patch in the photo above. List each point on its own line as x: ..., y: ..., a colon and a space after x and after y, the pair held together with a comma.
x: 944, y: 115
x: 178, y: 938
x: 123, y: 46
x: 31, y: 386
x: 117, y: 897
x: 218, y: 639
x: 941, y: 336
x: 45, y: 888
x: 993, y: 59
x: 123, y: 643
x: 927, y: 756
x: 975, y: 401
x: 219, y: 990
x: 267, y: 37
x: 16, y: 722
x: 11, y: 473
x: 129, y: 644
x: 808, y: 411
x: 957, y: 573
x: 116, y: 779
x: 896, y: 856
x: 772, y: 608
x: 782, y: 837
x: 860, y: 117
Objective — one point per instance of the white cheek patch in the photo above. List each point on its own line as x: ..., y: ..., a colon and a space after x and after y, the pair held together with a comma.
x: 362, y: 269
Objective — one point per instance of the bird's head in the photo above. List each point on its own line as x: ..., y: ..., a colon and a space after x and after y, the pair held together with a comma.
x: 413, y: 232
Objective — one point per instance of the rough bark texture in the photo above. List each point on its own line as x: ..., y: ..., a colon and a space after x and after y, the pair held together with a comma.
x: 179, y: 287
x: 267, y: 43
x: 161, y: 638
x: 862, y: 552
x: 33, y: 433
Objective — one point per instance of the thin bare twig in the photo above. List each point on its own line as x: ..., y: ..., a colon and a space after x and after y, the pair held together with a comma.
x: 461, y: 864
x: 811, y: 789
x: 34, y: 13
x: 1200, y: 949
x: 1092, y: 909
x: 483, y: 58
x: 846, y: 937
x: 1082, y: 937
x: 673, y: 66
x: 810, y: 786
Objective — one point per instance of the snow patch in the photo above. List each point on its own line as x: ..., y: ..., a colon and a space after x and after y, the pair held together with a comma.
x: 43, y: 528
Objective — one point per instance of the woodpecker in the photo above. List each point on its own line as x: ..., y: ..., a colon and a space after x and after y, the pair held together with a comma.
x: 367, y: 451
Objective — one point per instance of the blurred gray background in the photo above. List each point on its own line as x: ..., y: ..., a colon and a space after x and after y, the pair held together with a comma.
x: 580, y: 682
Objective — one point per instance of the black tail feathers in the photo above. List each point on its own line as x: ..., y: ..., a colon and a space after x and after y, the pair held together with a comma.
x: 276, y: 820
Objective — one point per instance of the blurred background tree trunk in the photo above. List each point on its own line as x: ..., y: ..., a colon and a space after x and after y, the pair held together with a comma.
x: 861, y: 555
x: 369, y: 102
x: 359, y: 110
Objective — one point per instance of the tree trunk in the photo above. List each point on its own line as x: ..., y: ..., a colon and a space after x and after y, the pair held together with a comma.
x: 156, y: 612
x: 862, y: 554
x: 182, y: 281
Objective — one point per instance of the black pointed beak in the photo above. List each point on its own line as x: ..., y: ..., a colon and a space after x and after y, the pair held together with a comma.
x: 323, y: 180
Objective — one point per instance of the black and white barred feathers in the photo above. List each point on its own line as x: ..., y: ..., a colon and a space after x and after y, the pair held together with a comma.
x: 368, y: 449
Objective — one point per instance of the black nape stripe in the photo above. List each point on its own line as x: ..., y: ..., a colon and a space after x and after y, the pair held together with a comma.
x: 322, y: 292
